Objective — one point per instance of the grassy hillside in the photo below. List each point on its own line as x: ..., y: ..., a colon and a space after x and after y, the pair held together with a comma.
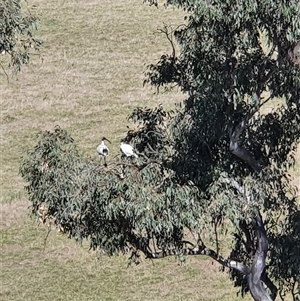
x: 87, y: 79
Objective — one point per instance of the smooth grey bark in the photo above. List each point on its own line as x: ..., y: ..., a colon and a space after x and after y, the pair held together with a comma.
x: 254, y: 277
x: 256, y: 274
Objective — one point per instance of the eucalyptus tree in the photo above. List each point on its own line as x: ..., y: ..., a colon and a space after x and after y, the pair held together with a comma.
x: 213, y: 172
x: 18, y: 22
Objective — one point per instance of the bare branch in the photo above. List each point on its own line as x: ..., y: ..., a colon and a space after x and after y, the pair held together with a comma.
x: 198, y: 250
x: 241, y: 190
x: 272, y: 50
x: 239, y: 267
x: 239, y: 151
x: 167, y: 33
x: 264, y: 102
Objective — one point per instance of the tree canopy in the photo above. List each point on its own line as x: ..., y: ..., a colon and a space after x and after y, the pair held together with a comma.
x: 214, y: 170
x: 17, y: 25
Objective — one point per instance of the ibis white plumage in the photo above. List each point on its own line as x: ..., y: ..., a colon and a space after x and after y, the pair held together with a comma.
x: 103, y: 150
x: 127, y: 150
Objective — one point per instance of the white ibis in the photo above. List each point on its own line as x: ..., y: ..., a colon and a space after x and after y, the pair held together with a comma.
x: 127, y: 150
x: 103, y: 150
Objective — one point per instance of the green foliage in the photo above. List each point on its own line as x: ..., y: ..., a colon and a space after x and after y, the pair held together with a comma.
x: 206, y: 169
x: 284, y: 250
x: 228, y: 72
x: 17, y: 25
x: 152, y: 137
x: 89, y: 201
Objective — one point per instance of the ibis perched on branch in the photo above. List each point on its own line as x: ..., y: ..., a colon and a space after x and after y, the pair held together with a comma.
x: 127, y: 150
x: 103, y: 150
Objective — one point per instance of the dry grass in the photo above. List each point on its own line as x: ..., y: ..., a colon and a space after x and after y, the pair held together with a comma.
x: 65, y: 270
x: 87, y: 79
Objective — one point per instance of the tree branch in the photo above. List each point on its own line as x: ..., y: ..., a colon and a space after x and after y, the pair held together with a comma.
x: 241, y: 190
x: 254, y: 278
x: 256, y: 274
x: 239, y: 151
x: 165, y: 31
x: 269, y: 284
x: 201, y: 249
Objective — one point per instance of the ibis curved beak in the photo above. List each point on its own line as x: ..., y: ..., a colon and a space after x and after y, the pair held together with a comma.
x: 106, y: 139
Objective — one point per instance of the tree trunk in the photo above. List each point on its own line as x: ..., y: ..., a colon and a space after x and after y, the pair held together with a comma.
x: 254, y: 278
